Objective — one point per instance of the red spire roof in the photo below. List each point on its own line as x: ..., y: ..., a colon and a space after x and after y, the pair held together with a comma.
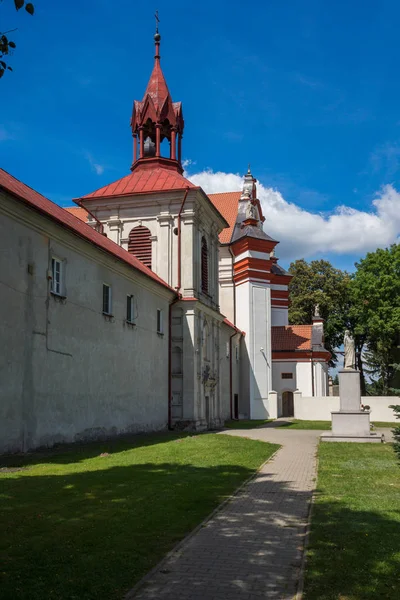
x: 157, y: 87
x: 157, y: 103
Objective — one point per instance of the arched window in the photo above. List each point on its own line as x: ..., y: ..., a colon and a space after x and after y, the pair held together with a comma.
x: 204, y: 266
x: 139, y: 244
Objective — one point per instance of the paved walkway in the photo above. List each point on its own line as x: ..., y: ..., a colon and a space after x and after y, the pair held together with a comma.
x: 253, y: 547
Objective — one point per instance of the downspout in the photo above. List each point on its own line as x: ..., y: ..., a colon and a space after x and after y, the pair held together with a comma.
x: 100, y: 225
x: 230, y: 373
x: 170, y: 363
x: 312, y: 375
x: 233, y: 287
x: 178, y: 287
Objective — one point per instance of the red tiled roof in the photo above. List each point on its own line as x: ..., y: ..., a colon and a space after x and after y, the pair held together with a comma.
x: 291, y: 337
x: 227, y: 204
x: 227, y: 322
x: 78, y: 211
x: 143, y: 180
x: 76, y: 225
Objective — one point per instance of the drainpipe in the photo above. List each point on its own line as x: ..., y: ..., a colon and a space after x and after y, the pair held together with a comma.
x: 230, y: 373
x: 233, y: 287
x: 178, y: 287
x: 312, y: 375
x: 100, y: 225
x: 170, y: 362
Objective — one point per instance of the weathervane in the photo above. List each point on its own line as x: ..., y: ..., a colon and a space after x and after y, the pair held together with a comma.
x: 157, y: 20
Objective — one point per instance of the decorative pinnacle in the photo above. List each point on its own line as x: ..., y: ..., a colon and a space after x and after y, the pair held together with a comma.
x: 248, y: 170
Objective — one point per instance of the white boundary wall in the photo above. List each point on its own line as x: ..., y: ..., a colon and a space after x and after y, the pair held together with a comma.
x: 319, y: 408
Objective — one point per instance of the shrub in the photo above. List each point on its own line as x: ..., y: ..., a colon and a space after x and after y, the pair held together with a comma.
x: 396, y: 430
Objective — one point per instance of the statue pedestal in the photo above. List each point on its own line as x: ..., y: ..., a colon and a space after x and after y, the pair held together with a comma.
x: 350, y: 423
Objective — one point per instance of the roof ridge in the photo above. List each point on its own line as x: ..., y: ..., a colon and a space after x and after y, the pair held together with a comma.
x: 217, y: 193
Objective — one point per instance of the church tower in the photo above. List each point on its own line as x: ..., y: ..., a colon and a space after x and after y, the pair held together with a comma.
x: 172, y: 226
x: 155, y: 119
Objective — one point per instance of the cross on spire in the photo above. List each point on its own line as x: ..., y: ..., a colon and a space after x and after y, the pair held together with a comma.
x: 157, y: 20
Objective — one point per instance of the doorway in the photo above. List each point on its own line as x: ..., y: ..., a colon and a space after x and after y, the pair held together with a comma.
x: 287, y: 404
x: 236, y: 406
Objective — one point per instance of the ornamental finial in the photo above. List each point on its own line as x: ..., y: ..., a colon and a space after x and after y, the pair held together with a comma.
x: 157, y: 36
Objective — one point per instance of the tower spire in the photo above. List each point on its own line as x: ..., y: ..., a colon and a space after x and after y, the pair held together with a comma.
x: 157, y: 118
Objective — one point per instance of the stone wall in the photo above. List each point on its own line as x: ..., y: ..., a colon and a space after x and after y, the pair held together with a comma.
x: 68, y: 372
x: 320, y: 408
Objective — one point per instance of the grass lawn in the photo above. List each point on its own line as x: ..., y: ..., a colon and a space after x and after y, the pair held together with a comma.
x: 354, y: 551
x: 296, y: 424
x: 77, y: 526
x: 246, y: 424
x: 385, y: 424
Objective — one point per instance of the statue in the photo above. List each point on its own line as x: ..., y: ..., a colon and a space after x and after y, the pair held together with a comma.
x: 349, y: 351
x: 317, y: 311
x: 251, y: 211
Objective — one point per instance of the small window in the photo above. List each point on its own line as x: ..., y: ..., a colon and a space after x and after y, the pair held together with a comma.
x: 130, y: 303
x: 160, y: 324
x: 56, y: 276
x: 237, y: 353
x: 106, y: 299
x: 287, y: 375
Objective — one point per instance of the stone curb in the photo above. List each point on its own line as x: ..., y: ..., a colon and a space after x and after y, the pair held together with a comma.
x: 132, y: 592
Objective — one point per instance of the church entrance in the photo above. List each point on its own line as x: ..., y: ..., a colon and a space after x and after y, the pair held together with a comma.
x: 287, y: 404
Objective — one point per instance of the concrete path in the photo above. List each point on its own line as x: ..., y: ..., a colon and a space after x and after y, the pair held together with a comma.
x: 253, y: 547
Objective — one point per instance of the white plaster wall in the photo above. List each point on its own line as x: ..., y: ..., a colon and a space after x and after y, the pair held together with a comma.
x: 321, y: 378
x: 225, y: 359
x: 159, y: 213
x: 304, y: 377
x: 226, y: 286
x: 320, y: 408
x: 69, y: 373
x: 253, y: 315
x: 279, y: 316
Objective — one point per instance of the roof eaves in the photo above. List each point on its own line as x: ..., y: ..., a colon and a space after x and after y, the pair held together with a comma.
x: 146, y: 193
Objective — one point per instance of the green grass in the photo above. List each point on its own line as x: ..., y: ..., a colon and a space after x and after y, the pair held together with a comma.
x: 77, y: 526
x: 246, y: 424
x: 296, y: 424
x: 385, y: 424
x: 354, y: 551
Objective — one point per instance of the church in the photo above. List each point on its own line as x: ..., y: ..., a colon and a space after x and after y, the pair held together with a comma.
x: 150, y: 304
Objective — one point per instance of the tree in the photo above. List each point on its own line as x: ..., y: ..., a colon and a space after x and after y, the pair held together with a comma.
x: 375, y: 312
x: 7, y: 45
x: 396, y: 409
x: 318, y: 282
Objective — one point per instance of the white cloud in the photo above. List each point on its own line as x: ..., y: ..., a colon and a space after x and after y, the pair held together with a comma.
x: 303, y: 234
x: 96, y: 167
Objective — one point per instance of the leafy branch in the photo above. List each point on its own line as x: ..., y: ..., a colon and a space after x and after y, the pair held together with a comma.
x: 6, y: 44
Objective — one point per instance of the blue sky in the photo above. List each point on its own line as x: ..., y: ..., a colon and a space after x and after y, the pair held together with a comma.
x: 307, y: 92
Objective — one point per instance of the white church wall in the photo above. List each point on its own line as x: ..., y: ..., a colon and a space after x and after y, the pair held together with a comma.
x: 253, y: 309
x: 226, y: 287
x: 71, y: 372
x: 319, y: 408
x: 304, y: 377
x: 279, y: 316
x: 321, y: 378
x: 229, y: 351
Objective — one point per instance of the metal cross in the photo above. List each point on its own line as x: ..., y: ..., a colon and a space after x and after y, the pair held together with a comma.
x: 157, y: 20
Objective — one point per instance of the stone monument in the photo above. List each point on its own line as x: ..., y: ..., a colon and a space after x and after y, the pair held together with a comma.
x: 350, y: 423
